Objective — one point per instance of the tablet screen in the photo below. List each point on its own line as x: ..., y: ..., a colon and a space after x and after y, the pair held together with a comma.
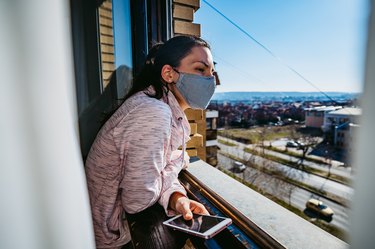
x: 199, y: 223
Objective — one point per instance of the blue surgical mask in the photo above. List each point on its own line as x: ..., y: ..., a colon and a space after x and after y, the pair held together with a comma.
x: 197, y: 90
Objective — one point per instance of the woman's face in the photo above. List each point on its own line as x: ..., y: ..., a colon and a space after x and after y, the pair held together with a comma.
x: 198, y: 62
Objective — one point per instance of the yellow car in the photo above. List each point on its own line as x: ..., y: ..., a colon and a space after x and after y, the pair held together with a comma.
x: 319, y: 207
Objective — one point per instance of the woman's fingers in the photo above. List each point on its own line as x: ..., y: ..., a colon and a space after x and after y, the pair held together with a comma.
x: 198, y: 208
x: 188, y: 215
x: 183, y: 207
x: 187, y: 207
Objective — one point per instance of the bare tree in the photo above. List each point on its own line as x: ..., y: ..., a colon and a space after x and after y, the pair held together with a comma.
x: 280, y: 180
x: 262, y: 135
x: 293, y: 134
x: 250, y: 160
x: 328, y: 151
x: 305, y: 144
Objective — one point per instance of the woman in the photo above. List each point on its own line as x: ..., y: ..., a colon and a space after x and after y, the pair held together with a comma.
x: 134, y: 163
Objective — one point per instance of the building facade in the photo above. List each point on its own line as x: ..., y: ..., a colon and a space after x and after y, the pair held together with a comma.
x: 341, y: 116
x: 314, y: 117
x: 211, y: 137
x: 342, y: 124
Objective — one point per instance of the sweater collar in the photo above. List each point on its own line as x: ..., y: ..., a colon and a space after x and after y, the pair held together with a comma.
x: 178, y: 115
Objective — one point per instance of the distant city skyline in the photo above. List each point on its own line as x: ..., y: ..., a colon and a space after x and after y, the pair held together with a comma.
x: 322, y: 40
x: 282, y: 96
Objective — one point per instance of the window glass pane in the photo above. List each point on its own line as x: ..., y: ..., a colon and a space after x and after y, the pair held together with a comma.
x: 116, y: 46
x: 123, y: 45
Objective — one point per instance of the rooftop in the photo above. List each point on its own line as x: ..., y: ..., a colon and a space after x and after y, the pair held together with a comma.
x: 351, y: 111
x: 323, y: 108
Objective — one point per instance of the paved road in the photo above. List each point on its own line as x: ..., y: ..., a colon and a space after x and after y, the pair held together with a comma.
x: 320, y: 183
x: 289, y: 193
x: 345, y: 172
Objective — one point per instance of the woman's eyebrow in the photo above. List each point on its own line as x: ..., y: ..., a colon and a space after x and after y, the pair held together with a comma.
x: 204, y: 63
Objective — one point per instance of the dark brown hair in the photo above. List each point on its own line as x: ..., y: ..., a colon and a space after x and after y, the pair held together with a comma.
x: 170, y: 53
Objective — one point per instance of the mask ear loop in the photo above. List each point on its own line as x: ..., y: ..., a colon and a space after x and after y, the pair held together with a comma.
x: 166, y: 91
x: 182, y: 156
x: 175, y: 69
x: 166, y: 85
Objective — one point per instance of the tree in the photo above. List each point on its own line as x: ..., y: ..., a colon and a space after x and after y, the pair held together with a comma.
x: 328, y: 151
x: 305, y: 144
x: 262, y: 134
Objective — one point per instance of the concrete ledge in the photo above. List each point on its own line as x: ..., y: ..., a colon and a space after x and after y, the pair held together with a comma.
x: 289, y: 229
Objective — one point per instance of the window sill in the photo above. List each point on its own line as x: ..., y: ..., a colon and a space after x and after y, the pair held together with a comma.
x: 288, y: 229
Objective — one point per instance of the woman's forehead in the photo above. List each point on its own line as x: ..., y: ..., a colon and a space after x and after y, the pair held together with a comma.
x: 199, y: 54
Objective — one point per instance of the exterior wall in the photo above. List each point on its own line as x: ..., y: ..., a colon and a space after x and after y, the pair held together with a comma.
x: 314, y: 119
x: 333, y: 120
x: 211, y: 137
x: 212, y: 155
x: 344, y: 138
x: 197, y: 145
x: 106, y: 41
x: 183, y: 17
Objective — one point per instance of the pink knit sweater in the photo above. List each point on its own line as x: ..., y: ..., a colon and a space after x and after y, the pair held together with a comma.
x: 133, y: 163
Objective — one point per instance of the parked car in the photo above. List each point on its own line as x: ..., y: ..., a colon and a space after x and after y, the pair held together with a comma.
x: 238, y: 167
x: 292, y: 144
x: 300, y: 144
x: 319, y: 207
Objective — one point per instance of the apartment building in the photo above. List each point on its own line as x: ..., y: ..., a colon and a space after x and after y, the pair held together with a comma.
x: 341, y: 116
x: 314, y: 116
x: 343, y: 124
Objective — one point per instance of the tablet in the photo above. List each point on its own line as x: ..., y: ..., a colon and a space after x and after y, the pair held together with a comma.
x: 204, y: 226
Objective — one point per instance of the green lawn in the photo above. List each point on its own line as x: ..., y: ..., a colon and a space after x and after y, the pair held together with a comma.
x: 308, y: 169
x: 226, y: 142
x: 254, y: 135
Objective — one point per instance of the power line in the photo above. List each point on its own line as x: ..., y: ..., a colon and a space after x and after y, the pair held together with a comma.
x: 246, y: 73
x: 239, y: 69
x: 269, y: 51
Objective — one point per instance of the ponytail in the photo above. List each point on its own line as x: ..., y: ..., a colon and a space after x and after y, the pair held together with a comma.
x: 148, y: 76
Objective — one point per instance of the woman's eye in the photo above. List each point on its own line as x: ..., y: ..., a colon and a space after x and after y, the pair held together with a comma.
x: 200, y: 70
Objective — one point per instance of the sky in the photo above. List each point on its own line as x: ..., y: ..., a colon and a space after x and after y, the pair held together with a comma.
x: 323, y: 40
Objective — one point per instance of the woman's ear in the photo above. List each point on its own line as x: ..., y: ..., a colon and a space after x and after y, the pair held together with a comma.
x: 168, y: 74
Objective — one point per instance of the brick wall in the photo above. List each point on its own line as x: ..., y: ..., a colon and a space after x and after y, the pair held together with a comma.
x: 183, y: 15
x: 183, y: 24
x: 106, y: 41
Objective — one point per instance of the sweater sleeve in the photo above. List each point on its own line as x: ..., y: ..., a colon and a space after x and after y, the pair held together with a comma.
x: 149, y: 176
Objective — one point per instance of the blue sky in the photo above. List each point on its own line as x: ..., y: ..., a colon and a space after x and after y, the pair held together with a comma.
x: 324, y: 40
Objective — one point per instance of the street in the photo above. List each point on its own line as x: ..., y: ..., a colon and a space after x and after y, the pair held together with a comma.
x: 289, y: 193
x: 335, y: 169
x: 317, y: 182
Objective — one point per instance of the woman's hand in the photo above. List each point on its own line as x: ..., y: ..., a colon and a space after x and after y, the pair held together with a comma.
x: 183, y: 205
